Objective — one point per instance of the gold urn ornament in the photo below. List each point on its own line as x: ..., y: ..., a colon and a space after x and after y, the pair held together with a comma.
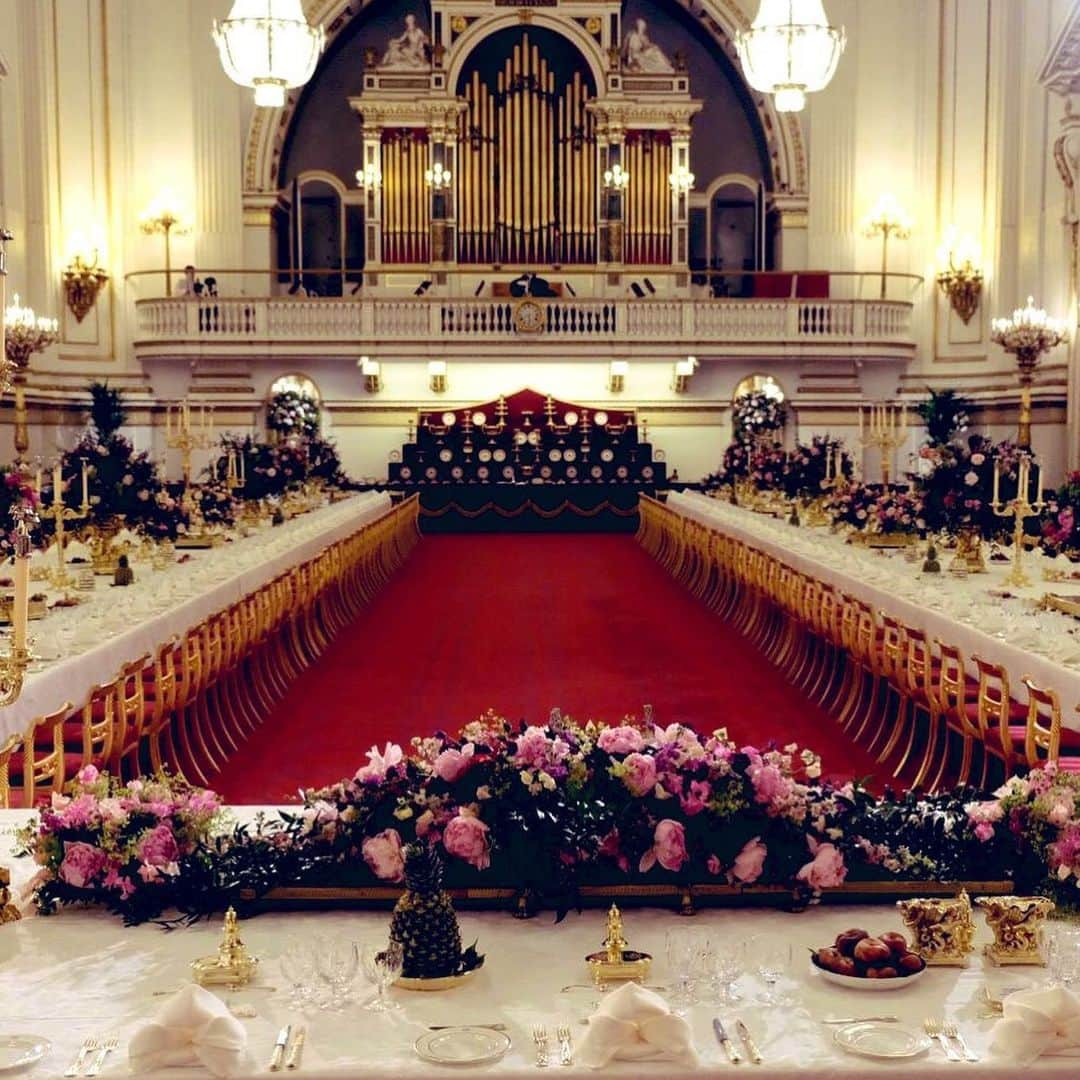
x: 616, y: 961
x: 232, y: 965
x: 8, y: 911
x: 942, y: 931
x: 1018, y: 925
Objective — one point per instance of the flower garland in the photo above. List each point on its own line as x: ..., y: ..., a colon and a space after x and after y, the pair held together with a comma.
x: 548, y: 808
x: 292, y: 413
x: 870, y: 507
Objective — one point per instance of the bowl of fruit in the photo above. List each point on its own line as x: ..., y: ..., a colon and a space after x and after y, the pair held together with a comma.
x: 862, y: 962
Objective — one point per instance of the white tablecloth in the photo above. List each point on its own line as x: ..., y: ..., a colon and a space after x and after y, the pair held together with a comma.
x: 82, y: 974
x: 1041, y: 644
x: 114, y: 626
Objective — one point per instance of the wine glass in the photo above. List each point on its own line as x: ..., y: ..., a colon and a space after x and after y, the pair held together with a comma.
x: 1063, y: 955
x: 336, y: 960
x: 728, y: 962
x: 383, y: 962
x: 772, y: 956
x: 683, y: 957
x: 299, y: 968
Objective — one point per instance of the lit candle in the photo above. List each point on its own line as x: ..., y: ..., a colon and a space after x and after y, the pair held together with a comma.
x: 243, y: 474
x: 1038, y: 496
x: 903, y: 419
x: 185, y: 417
x: 211, y: 419
x: 21, y: 614
x: 37, y: 482
x: 57, y: 480
x: 997, y: 480
x: 862, y: 423
x: 85, y: 485
x: 168, y: 422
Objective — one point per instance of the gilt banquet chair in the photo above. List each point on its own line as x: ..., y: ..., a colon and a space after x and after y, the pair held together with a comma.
x: 1000, y: 721
x: 1045, y: 741
x: 10, y: 745
x: 43, y: 766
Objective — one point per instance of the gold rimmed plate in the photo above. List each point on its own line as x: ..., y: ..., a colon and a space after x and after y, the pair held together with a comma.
x: 21, y: 1051
x: 462, y: 1046
x: 873, y: 1039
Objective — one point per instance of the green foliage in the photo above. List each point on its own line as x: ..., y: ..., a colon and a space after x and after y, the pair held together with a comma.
x: 107, y: 412
x: 945, y: 414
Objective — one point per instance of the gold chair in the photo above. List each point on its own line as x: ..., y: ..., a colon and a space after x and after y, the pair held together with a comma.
x: 43, y: 763
x: 11, y: 744
x: 1043, y: 733
x: 131, y: 718
x: 998, y: 719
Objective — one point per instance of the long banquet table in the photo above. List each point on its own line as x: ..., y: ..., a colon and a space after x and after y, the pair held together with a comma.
x: 81, y: 974
x: 1044, y: 645
x: 86, y: 645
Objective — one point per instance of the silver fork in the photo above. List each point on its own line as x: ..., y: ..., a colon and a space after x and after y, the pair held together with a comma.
x: 566, y: 1046
x: 539, y: 1034
x: 953, y: 1032
x: 103, y: 1052
x: 934, y: 1030
x: 89, y: 1044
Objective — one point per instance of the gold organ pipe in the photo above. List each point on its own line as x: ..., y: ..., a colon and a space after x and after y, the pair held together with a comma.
x: 526, y: 149
x: 502, y: 170
x: 515, y: 134
x: 488, y: 164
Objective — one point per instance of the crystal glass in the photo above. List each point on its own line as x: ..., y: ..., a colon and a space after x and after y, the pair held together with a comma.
x: 686, y: 953
x: 298, y: 965
x: 336, y: 960
x: 727, y: 957
x: 383, y: 961
x: 772, y: 957
x: 1063, y: 955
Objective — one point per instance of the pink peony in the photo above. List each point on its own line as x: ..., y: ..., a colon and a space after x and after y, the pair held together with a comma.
x: 640, y: 774
x: 621, y: 740
x: 826, y: 869
x: 82, y: 864
x: 984, y: 831
x: 451, y: 765
x: 611, y: 848
x: 87, y: 775
x: 712, y: 864
x: 379, y: 764
x: 159, y: 848
x: 1060, y: 813
x: 467, y: 837
x: 536, y: 751
x: 669, y: 847
x: 697, y: 799
x: 382, y: 853
x: 750, y: 862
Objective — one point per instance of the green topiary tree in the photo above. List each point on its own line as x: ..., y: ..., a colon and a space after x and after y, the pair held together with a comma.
x: 107, y: 412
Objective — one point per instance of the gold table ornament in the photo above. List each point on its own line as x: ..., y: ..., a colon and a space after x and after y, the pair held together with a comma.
x: 616, y: 961
x: 8, y: 911
x: 942, y: 931
x: 1018, y: 924
x: 232, y: 965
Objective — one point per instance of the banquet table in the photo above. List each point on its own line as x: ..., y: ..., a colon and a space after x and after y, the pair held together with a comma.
x: 1007, y: 630
x: 82, y: 973
x: 82, y: 646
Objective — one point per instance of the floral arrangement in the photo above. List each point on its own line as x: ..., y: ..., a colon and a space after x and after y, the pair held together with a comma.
x: 269, y: 470
x: 945, y: 415
x: 872, y: 508
x: 215, y: 503
x: 1061, y: 525
x: 133, y: 848
x: 755, y: 414
x: 290, y: 413
x: 15, y: 493
x: 324, y: 463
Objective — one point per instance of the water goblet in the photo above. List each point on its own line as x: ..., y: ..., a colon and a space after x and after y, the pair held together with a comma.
x: 682, y: 957
x: 772, y: 956
x: 728, y: 964
x: 336, y: 960
x: 1063, y: 955
x: 383, y: 962
x: 299, y: 968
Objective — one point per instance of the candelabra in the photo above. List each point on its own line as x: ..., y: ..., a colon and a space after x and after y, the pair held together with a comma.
x: 887, y: 219
x: 61, y: 514
x: 24, y: 334
x: 235, y: 470
x: 1018, y: 509
x: 1028, y: 334
x: 165, y: 216
x: 14, y: 662
x: 181, y: 435
x: 886, y: 431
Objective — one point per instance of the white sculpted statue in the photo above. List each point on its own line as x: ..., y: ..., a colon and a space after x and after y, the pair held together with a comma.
x: 409, y: 49
x: 640, y: 53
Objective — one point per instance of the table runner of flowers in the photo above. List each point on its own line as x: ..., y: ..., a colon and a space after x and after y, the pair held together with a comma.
x: 549, y: 808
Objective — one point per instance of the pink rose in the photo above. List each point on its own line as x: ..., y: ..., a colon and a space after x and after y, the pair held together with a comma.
x: 669, y: 847
x: 610, y: 847
x: 159, y: 848
x: 640, y: 774
x: 467, y: 837
x: 382, y: 853
x: 984, y: 831
x: 87, y: 775
x: 712, y: 864
x: 1058, y: 814
x: 826, y: 869
x: 452, y: 764
x: 621, y: 740
x: 82, y: 864
x: 697, y: 799
x: 379, y: 764
x: 424, y: 823
x: 749, y: 862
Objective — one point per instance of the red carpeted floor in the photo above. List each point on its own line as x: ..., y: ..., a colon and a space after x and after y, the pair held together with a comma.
x: 520, y: 624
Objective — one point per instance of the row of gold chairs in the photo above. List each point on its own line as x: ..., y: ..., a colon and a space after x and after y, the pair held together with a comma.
x: 192, y: 703
x: 914, y: 702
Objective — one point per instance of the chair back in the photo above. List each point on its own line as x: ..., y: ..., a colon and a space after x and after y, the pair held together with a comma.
x: 1042, y: 739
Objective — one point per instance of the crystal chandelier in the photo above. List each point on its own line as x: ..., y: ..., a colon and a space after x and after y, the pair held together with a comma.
x: 268, y: 45
x: 24, y: 334
x: 790, y: 50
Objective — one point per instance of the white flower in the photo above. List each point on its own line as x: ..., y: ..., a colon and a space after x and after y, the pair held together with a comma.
x: 971, y: 478
x: 526, y: 777
x: 547, y: 780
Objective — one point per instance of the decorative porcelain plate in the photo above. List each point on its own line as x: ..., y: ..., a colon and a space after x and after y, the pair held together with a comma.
x: 555, y: 454
x: 405, y: 473
x: 607, y: 454
x: 483, y: 472
x: 446, y: 454
x: 647, y: 472
x: 545, y: 472
x: 596, y: 472
x: 659, y: 455
x: 508, y: 472
x: 571, y: 472
x: 520, y: 438
x: 485, y: 454
x: 457, y: 472
x: 534, y: 438
x: 21, y: 1051
x: 569, y: 454
x: 498, y: 454
x: 570, y: 419
x: 431, y: 472
x: 877, y: 1040
x: 395, y: 455
x: 478, y: 418
x: 600, y: 418
x: 449, y: 418
x: 622, y: 472
x: 462, y: 1046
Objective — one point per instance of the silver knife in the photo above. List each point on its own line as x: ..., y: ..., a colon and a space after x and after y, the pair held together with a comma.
x: 279, y: 1048
x: 722, y: 1037
x: 748, y: 1042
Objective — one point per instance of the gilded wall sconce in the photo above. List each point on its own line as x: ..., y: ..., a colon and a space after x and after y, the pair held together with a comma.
x: 437, y: 376
x: 372, y: 372
x: 84, y: 278
x: 960, y: 278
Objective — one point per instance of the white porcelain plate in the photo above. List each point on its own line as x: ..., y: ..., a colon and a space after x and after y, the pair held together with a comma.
x: 462, y: 1046
x: 857, y: 982
x: 876, y: 1040
x: 21, y: 1051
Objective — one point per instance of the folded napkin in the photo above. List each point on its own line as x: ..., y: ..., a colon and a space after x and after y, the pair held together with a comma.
x: 634, y: 1024
x: 1037, y: 1022
x: 192, y: 1028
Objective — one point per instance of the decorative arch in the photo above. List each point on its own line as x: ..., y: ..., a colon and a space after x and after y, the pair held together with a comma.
x: 738, y: 178
x: 722, y: 19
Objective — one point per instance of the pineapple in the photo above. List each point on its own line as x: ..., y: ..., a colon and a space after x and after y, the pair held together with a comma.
x: 424, y: 919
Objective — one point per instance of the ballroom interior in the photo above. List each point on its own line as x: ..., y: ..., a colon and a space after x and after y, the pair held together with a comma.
x: 528, y: 456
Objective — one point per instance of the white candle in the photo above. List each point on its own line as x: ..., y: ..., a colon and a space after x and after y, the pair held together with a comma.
x: 85, y: 485
x: 57, y: 480
x: 997, y: 480
x: 185, y: 417
x: 243, y: 474
x: 1038, y: 496
x: 862, y: 423
x: 211, y: 419
x: 37, y: 483
x: 21, y: 614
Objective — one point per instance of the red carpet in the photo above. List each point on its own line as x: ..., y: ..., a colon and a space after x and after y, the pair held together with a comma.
x: 522, y: 623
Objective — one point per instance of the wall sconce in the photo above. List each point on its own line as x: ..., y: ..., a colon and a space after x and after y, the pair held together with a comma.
x: 438, y: 178
x: 369, y: 176
x: 616, y: 178
x: 960, y: 277
x: 437, y: 375
x: 84, y: 278
x: 372, y: 372
x: 617, y: 372
x: 684, y: 369
x: 681, y: 180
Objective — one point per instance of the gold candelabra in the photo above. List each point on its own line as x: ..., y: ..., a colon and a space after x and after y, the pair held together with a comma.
x: 61, y: 514
x: 886, y: 429
x: 235, y: 470
x: 24, y: 334
x: 184, y: 435
x: 887, y: 219
x: 14, y: 662
x: 165, y: 215
x: 1018, y: 509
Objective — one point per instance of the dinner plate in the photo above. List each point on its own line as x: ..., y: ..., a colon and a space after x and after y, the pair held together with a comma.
x: 462, y: 1046
x: 877, y: 1040
x: 570, y: 419
x: 479, y: 419
x: 446, y: 455
x: 21, y: 1051
x: 485, y: 454
x: 607, y: 455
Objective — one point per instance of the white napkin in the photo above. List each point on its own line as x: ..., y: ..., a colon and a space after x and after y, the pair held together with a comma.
x: 634, y: 1024
x: 1037, y: 1022
x: 192, y: 1028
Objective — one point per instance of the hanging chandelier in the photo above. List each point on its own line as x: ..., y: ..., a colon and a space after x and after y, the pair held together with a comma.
x: 790, y: 50
x: 268, y: 45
